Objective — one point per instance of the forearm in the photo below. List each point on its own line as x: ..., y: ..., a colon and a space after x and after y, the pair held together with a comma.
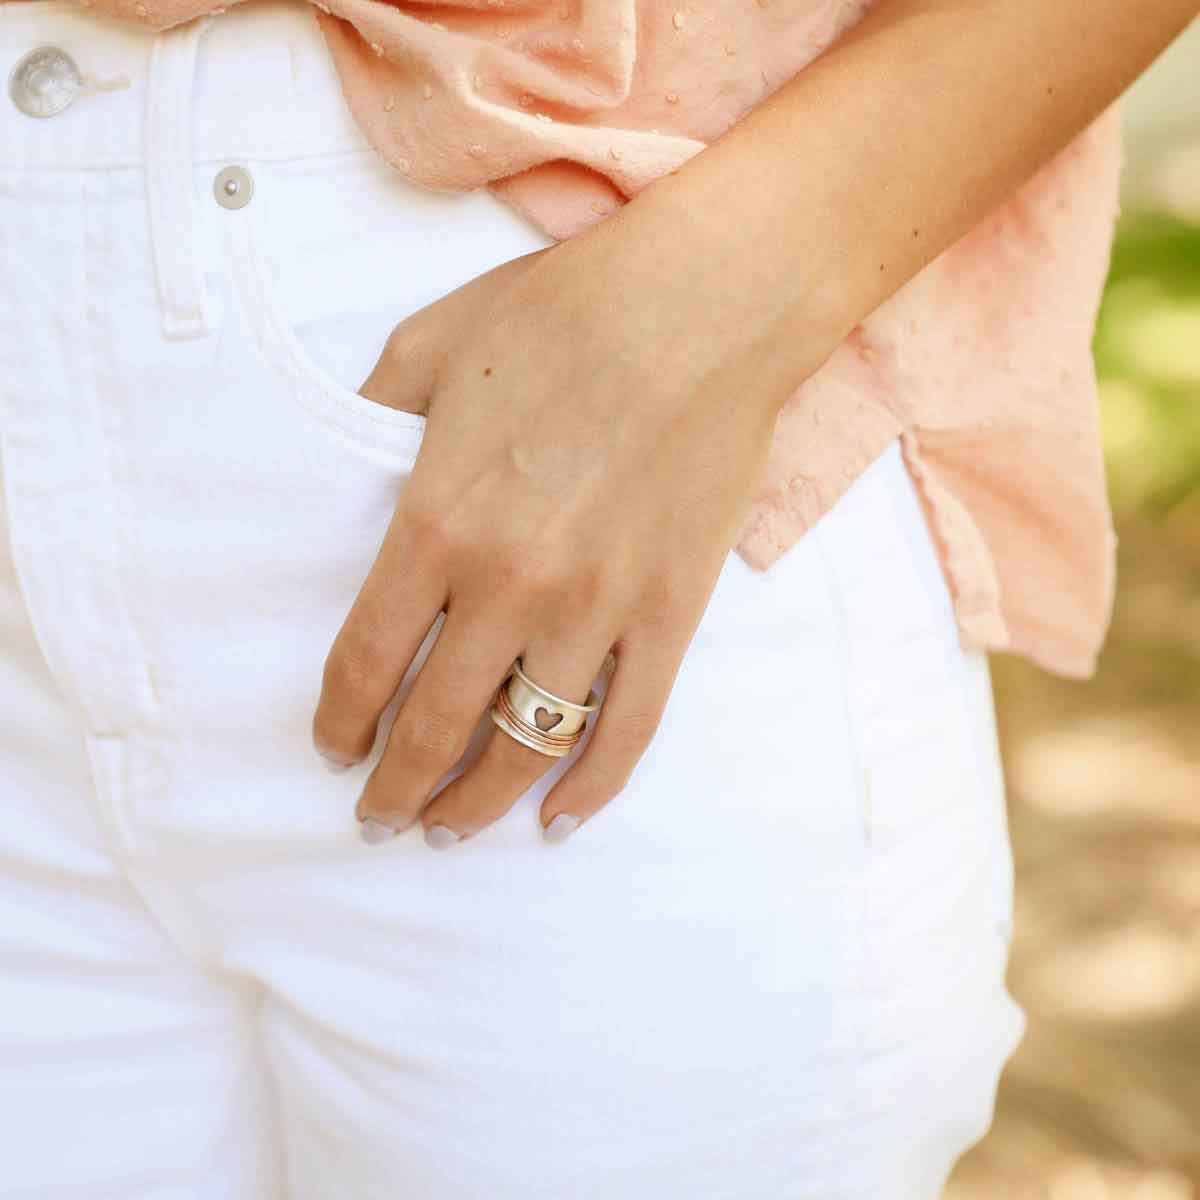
x: 832, y: 193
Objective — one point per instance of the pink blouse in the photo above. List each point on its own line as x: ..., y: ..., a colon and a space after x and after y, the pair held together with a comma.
x: 981, y: 364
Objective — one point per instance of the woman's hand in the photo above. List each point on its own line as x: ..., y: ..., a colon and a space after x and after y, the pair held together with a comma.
x: 598, y: 413
x: 591, y: 444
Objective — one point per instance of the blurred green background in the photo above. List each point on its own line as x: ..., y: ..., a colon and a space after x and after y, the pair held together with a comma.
x: 1102, y: 1100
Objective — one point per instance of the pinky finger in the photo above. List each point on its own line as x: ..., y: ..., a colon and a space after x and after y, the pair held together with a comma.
x: 629, y: 716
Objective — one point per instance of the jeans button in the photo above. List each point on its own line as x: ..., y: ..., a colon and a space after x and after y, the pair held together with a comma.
x: 44, y: 82
x: 233, y: 187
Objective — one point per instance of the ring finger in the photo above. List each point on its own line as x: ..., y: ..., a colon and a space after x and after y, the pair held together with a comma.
x: 507, y: 768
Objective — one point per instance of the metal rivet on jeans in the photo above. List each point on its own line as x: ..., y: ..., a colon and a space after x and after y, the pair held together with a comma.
x: 44, y: 82
x: 233, y: 187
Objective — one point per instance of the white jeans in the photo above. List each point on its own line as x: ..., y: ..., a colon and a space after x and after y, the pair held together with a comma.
x: 772, y: 968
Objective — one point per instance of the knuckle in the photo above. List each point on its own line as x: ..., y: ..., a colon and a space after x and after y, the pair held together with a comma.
x: 548, y: 578
x: 426, y: 736
x: 660, y: 607
x: 589, y: 795
x: 430, y: 527
x: 351, y: 666
x: 405, y: 346
x: 632, y: 732
x: 527, y: 571
x: 594, y: 588
x: 504, y: 570
x: 396, y: 349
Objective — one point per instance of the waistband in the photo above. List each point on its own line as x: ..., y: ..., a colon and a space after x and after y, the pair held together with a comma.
x: 255, y: 81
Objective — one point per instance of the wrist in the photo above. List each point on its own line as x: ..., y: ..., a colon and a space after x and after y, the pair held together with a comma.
x: 745, y: 290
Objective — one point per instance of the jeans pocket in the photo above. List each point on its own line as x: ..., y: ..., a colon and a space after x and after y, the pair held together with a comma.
x: 967, y: 674
x: 331, y: 252
x: 921, y: 701
x: 297, y: 288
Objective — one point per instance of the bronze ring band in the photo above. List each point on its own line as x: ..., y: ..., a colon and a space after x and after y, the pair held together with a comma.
x: 506, y: 717
x: 546, y: 712
x: 538, y: 718
x: 505, y: 704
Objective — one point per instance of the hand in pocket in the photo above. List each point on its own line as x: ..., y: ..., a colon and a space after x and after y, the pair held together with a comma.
x: 588, y: 457
x: 406, y: 373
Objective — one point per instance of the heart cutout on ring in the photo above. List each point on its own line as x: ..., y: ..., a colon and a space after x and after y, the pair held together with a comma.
x: 546, y: 720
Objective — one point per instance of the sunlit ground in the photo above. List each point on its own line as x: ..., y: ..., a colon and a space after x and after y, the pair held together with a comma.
x: 1102, y: 1100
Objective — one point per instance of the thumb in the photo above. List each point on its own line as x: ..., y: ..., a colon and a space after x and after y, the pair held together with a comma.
x: 404, y: 376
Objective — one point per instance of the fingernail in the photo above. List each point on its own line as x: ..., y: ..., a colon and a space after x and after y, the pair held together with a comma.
x: 374, y: 832
x: 331, y: 763
x: 561, y: 828
x: 439, y: 837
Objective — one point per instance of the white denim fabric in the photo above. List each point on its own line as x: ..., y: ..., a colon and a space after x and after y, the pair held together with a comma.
x: 772, y: 968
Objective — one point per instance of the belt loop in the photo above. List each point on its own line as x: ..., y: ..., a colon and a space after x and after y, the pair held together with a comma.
x: 170, y: 191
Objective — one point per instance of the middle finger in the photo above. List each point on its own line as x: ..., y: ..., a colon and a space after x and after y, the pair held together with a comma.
x: 433, y: 728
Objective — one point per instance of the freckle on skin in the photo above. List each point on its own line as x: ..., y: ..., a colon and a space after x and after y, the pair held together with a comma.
x: 487, y: 370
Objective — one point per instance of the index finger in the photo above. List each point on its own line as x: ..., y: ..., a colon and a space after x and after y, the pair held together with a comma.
x: 389, y: 620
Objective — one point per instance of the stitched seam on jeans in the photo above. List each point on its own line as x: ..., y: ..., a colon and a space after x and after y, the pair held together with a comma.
x: 834, y: 594
x: 138, y: 162
x: 906, y: 491
x: 186, y: 311
x: 861, y: 902
x: 282, y: 340
x: 996, y: 821
x: 400, y: 433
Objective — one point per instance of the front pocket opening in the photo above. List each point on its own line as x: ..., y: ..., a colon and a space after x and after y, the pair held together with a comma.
x: 374, y: 425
